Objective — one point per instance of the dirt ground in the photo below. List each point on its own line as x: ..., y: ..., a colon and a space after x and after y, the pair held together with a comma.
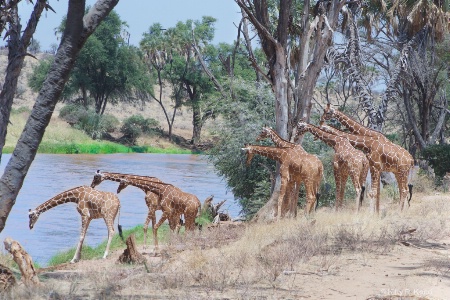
x: 415, y: 267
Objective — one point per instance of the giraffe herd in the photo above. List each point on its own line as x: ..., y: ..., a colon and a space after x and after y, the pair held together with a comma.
x: 356, y: 152
x: 376, y: 153
x: 95, y: 204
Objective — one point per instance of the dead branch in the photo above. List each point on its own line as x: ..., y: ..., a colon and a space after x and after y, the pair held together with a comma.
x: 23, y: 260
x: 131, y: 255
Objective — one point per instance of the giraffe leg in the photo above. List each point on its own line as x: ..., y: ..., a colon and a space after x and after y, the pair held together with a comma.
x: 164, y: 216
x: 310, y: 197
x: 402, y: 182
x: 338, y: 181
x: 375, y: 190
x: 85, y: 220
x: 110, y: 225
x: 150, y: 217
x: 356, y: 184
x: 284, y: 182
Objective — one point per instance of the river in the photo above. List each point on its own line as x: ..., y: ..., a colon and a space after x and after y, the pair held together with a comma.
x: 59, y: 228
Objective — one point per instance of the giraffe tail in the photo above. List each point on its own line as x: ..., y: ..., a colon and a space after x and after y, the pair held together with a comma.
x: 361, y: 195
x: 119, y: 227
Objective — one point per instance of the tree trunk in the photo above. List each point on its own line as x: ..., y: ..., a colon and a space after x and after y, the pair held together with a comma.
x: 17, y: 47
x: 131, y: 255
x: 77, y: 31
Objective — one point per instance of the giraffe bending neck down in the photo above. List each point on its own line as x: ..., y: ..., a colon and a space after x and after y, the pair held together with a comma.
x: 294, y: 168
x: 91, y: 204
x: 347, y: 162
x: 383, y: 155
x: 174, y: 202
x: 152, y: 200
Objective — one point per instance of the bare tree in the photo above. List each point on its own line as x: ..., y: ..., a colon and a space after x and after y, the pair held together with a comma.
x: 79, y: 28
x: 18, y: 43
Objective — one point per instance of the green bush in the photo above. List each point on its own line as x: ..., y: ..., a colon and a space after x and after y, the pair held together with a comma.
x: 135, y: 126
x: 87, y: 120
x: 439, y: 158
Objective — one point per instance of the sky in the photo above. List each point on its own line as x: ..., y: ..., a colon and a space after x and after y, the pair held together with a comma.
x: 140, y: 14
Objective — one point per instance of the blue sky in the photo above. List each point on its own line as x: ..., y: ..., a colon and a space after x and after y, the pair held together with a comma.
x: 140, y: 14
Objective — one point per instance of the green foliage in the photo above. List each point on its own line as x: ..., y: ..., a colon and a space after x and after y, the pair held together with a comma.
x: 135, y: 126
x: 88, y: 121
x: 108, y: 70
x: 439, y: 158
x: 241, y: 123
x: 38, y: 74
x: 20, y: 110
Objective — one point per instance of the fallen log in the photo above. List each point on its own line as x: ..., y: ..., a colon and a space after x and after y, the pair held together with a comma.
x: 23, y: 260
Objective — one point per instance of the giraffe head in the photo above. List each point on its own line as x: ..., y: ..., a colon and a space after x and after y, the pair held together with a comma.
x: 301, y: 129
x: 265, y: 133
x: 247, y: 149
x: 98, y: 178
x: 33, y: 216
x: 123, y: 184
x: 328, y: 113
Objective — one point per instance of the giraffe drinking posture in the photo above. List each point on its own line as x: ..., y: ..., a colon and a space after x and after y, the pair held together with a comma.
x: 174, y: 202
x: 294, y: 168
x: 91, y: 204
x: 383, y: 155
x: 152, y: 200
x: 347, y: 161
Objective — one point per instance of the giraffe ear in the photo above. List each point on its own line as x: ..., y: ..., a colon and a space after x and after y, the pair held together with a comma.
x: 328, y: 105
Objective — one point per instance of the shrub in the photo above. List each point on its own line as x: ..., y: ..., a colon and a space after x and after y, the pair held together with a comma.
x: 88, y: 121
x: 439, y: 158
x: 135, y: 126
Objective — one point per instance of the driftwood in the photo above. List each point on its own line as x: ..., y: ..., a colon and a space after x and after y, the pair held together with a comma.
x: 7, y: 279
x: 23, y: 260
x: 212, y: 209
x: 131, y: 255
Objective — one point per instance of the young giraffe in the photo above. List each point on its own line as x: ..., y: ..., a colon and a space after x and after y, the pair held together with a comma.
x: 174, y: 202
x: 382, y: 156
x: 91, y: 204
x: 152, y: 200
x: 292, y: 187
x: 293, y: 168
x: 347, y: 161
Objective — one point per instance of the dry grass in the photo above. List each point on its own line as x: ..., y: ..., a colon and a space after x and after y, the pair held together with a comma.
x: 258, y: 260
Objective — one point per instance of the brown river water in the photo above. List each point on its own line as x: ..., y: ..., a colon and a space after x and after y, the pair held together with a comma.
x: 58, y: 229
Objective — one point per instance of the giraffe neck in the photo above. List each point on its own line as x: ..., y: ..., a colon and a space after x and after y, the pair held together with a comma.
x: 64, y: 197
x: 274, y: 153
x: 148, y: 184
x: 277, y: 140
x: 354, y: 127
x: 357, y: 141
x: 119, y: 176
x: 326, y: 137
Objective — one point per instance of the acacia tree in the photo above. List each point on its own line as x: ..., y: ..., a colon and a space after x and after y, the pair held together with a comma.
x: 171, y: 54
x: 79, y: 27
